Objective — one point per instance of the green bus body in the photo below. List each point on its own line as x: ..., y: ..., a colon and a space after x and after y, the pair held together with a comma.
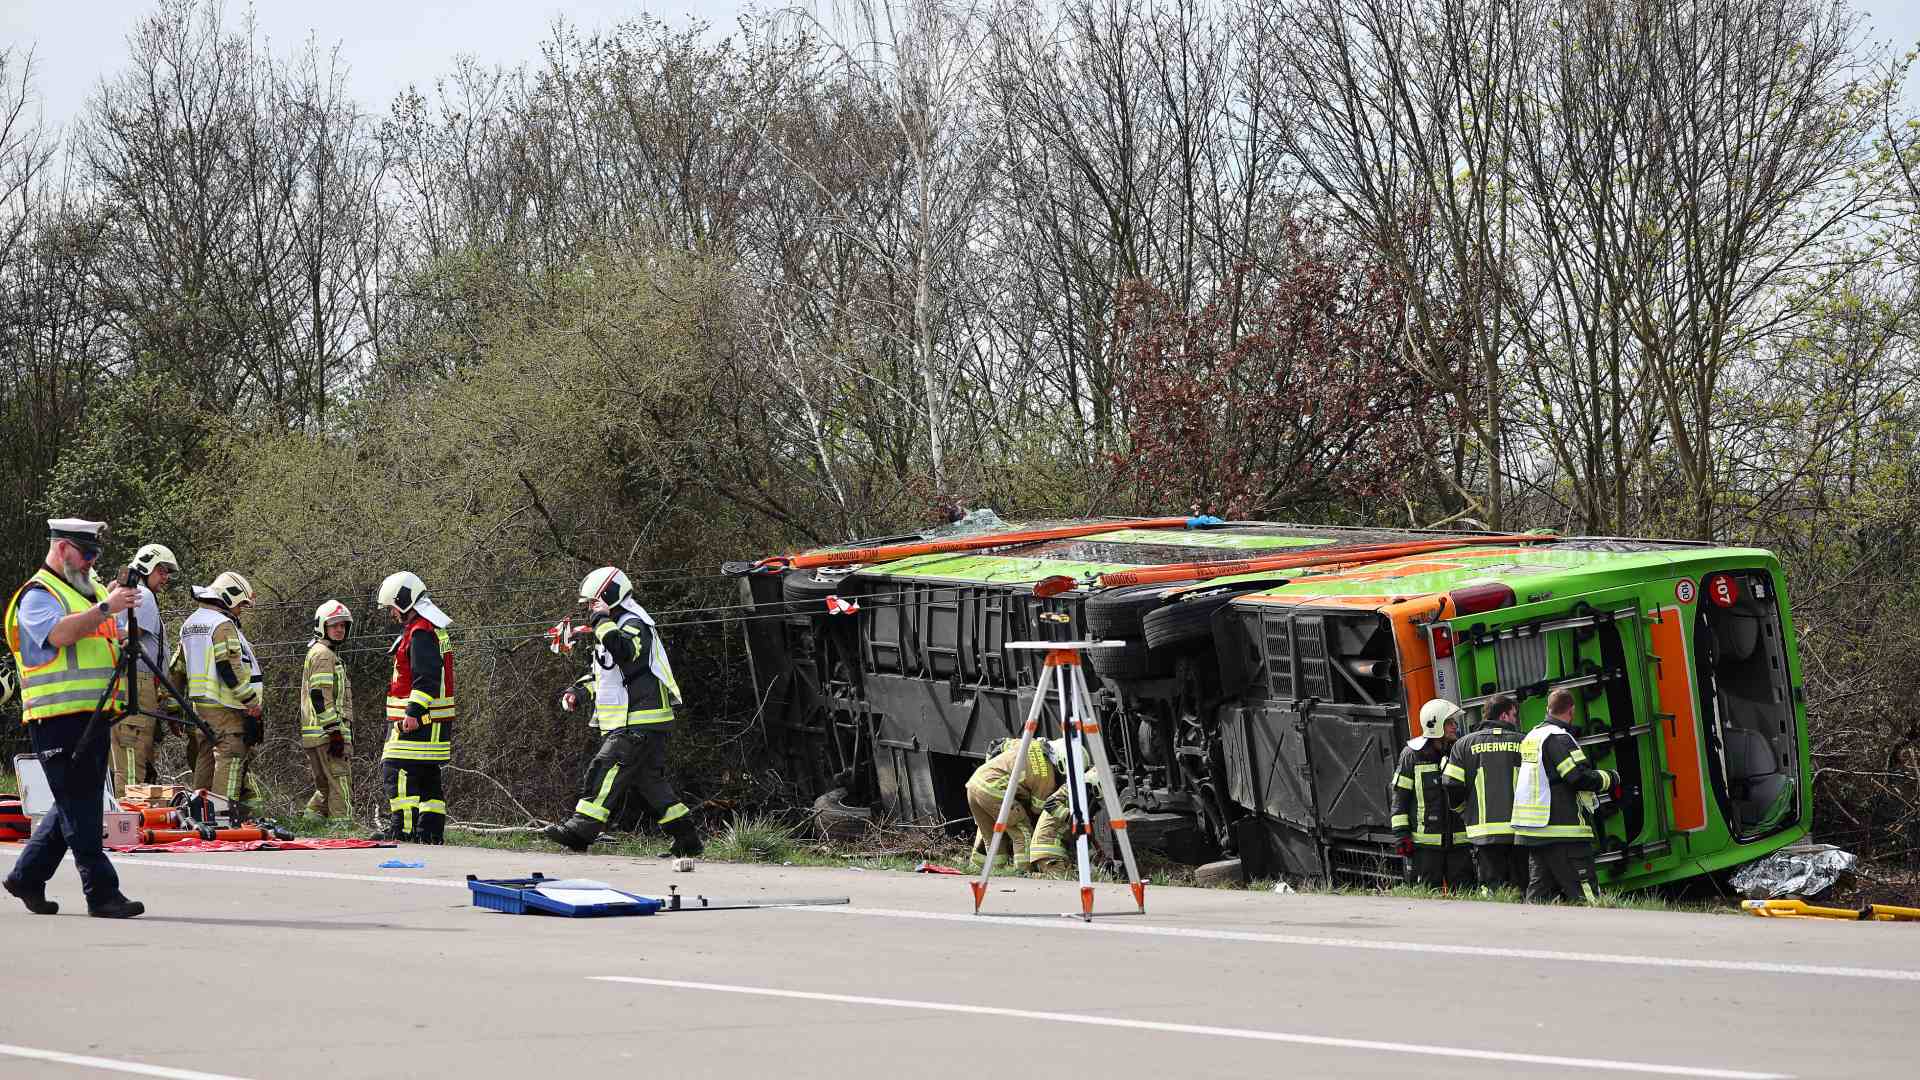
x: 1267, y: 723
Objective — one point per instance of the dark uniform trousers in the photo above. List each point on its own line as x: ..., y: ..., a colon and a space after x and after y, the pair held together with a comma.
x: 1501, y: 866
x: 1564, y: 870
x: 416, y: 803
x: 79, y: 783
x: 1436, y: 866
x: 636, y: 759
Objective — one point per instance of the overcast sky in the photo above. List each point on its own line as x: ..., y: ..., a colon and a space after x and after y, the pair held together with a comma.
x: 392, y: 43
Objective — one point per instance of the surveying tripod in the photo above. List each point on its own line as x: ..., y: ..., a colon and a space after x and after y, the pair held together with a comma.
x: 132, y: 658
x: 1060, y: 675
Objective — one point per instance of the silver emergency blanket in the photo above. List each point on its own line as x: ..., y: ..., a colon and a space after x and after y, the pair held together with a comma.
x: 1803, y: 870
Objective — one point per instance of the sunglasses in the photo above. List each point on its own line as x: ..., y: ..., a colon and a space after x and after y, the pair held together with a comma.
x: 88, y: 552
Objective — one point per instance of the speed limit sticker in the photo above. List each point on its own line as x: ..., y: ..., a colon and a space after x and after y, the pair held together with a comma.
x: 1683, y: 590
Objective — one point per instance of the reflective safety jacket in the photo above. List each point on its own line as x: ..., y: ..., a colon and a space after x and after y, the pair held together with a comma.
x: 1555, y: 793
x: 209, y: 640
x: 326, y: 697
x: 1487, y: 763
x: 625, y: 690
x: 1038, y: 783
x: 1423, y: 808
x: 76, y: 677
x: 422, y: 686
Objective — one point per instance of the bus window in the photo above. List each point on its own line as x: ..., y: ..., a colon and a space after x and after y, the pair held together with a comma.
x: 1746, y: 703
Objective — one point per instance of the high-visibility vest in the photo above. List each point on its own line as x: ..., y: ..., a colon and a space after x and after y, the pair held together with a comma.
x: 202, y: 646
x: 76, y: 678
x: 615, y: 705
x: 433, y: 739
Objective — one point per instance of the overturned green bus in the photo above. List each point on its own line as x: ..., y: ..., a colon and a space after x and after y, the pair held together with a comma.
x: 1272, y: 673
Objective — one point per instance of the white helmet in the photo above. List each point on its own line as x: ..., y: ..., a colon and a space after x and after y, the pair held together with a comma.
x: 606, y: 584
x: 154, y: 555
x: 230, y: 589
x: 1434, y: 716
x: 402, y: 590
x: 1057, y: 753
x: 332, y: 611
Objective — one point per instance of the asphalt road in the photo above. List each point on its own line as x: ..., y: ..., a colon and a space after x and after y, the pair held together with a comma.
x: 321, y: 964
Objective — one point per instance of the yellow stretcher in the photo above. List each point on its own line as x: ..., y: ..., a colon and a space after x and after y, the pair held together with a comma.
x: 1800, y: 909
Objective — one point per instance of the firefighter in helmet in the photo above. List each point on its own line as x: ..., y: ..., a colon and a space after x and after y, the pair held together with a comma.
x: 223, y: 679
x: 420, y: 712
x: 134, y: 736
x: 326, y: 713
x: 1040, y: 820
x: 1426, y: 816
x: 632, y: 691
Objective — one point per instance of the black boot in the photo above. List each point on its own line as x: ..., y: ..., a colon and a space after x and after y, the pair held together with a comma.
x: 433, y: 828
x: 577, y: 833
x: 116, y: 906
x: 686, y: 840
x: 34, y: 896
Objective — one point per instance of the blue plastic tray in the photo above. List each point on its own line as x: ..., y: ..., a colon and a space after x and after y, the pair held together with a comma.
x: 522, y: 896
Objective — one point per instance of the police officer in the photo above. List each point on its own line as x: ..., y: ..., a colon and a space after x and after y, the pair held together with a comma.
x: 326, y: 714
x: 1553, y: 804
x: 223, y: 679
x: 1426, y: 816
x: 134, y: 736
x: 1482, y: 768
x: 633, y: 692
x: 65, y: 646
x: 420, y: 712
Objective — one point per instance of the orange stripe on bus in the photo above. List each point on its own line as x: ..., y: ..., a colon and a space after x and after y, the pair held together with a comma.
x: 1680, y: 736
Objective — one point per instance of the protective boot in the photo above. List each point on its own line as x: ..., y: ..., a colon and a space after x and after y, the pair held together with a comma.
x: 396, y: 829
x: 116, y: 906
x: 575, y: 834
x: 34, y: 896
x: 686, y: 840
x: 433, y: 829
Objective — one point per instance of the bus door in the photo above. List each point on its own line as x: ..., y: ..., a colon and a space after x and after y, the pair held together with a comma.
x: 1595, y: 645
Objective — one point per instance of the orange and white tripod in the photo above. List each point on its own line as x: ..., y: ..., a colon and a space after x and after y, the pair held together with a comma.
x: 1062, y: 677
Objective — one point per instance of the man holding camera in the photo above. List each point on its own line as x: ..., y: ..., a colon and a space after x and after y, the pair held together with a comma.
x: 65, y: 646
x: 223, y: 679
x: 152, y: 569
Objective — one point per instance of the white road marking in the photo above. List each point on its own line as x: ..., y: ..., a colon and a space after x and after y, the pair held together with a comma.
x: 1375, y: 1045
x: 167, y: 863
x: 110, y: 1065
x: 1489, y: 952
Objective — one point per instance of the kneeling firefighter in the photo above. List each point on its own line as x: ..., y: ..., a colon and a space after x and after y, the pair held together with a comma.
x: 419, y: 711
x: 633, y: 693
x: 1040, y: 821
x: 1427, y: 824
x: 223, y: 680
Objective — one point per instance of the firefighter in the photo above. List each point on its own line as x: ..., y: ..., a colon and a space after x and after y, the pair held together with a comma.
x: 1426, y: 816
x: 326, y: 714
x: 223, y: 680
x: 1482, y: 768
x: 420, y: 712
x: 65, y: 646
x: 633, y: 692
x: 1031, y: 821
x: 1553, y: 806
x: 134, y: 736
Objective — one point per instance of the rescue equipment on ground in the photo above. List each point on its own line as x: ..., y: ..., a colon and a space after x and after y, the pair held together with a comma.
x: 1800, y: 909
x: 579, y: 898
x: 1801, y: 871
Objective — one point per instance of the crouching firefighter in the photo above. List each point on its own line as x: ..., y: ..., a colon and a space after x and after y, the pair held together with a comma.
x: 633, y: 693
x: 420, y: 712
x: 1553, y: 804
x: 1427, y: 825
x: 1038, y: 824
x: 223, y: 680
x: 326, y: 714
